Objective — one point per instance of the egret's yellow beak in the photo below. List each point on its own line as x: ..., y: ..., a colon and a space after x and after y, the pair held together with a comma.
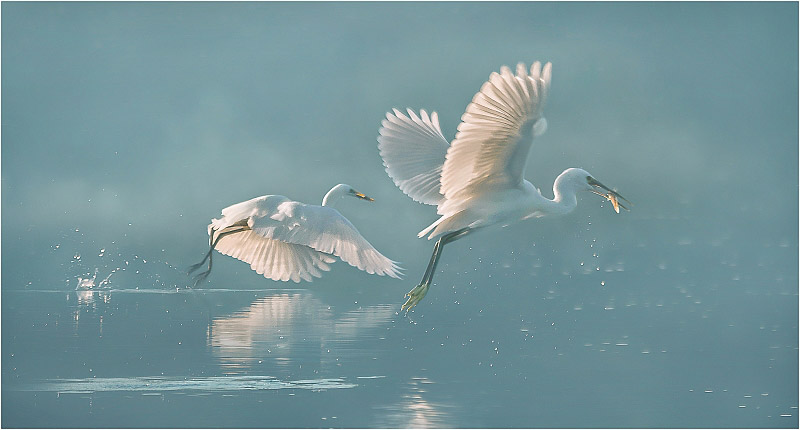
x: 362, y: 196
x: 613, y: 196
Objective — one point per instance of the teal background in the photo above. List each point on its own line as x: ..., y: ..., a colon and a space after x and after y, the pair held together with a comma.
x: 127, y: 126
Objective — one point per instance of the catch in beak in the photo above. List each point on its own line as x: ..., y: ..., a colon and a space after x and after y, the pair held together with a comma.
x: 613, y: 196
x: 361, y: 195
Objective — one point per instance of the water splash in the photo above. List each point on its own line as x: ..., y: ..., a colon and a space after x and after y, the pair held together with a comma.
x: 89, y: 283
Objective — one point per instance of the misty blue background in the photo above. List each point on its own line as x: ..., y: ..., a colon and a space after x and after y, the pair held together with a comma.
x: 127, y: 126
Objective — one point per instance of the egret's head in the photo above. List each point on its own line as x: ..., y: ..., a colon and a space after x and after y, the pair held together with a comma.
x: 601, y: 190
x: 581, y: 180
x: 343, y: 190
x: 359, y: 195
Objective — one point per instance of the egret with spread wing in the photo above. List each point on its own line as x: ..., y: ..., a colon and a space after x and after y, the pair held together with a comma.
x: 284, y: 239
x: 477, y: 180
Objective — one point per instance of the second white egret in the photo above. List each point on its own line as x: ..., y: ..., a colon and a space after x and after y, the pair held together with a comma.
x: 477, y: 180
x: 283, y: 239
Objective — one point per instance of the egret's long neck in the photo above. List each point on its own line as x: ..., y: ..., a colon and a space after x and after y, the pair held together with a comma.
x: 331, y: 197
x: 565, y: 199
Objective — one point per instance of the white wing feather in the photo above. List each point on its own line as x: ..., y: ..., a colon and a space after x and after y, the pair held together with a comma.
x: 276, y: 260
x: 494, y: 137
x: 413, y: 150
x: 293, y: 240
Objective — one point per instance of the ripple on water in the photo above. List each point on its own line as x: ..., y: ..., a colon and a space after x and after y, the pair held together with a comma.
x: 161, y: 384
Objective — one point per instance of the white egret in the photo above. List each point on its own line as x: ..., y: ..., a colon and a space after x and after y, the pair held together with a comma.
x: 477, y: 180
x: 284, y: 239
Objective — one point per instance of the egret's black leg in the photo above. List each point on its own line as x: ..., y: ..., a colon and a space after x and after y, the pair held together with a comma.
x: 437, y: 252
x: 200, y: 277
x: 418, y: 292
x: 433, y: 261
x: 194, y: 267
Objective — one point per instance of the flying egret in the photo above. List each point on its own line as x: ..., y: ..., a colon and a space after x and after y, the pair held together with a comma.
x: 477, y: 180
x: 284, y: 239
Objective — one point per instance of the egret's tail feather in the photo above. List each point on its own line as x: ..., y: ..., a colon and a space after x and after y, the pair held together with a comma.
x: 429, y: 228
x: 447, y: 224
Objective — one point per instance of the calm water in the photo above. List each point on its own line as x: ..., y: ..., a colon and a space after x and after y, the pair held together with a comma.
x: 126, y: 127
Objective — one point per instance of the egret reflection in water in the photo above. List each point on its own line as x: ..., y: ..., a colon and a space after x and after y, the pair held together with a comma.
x: 279, y: 326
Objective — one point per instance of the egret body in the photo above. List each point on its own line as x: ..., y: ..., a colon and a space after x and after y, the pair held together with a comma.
x: 283, y: 239
x: 477, y: 180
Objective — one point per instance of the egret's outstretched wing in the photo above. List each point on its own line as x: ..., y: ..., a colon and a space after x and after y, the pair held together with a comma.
x: 413, y: 150
x: 326, y: 230
x: 494, y: 137
x: 322, y: 231
x: 276, y: 260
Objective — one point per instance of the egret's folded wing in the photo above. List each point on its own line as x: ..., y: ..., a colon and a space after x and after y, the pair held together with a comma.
x: 275, y: 259
x: 272, y: 258
x: 325, y: 230
x: 413, y: 150
x: 254, y: 208
x: 495, y: 134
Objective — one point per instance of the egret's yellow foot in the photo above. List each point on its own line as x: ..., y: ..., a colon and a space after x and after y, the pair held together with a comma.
x: 414, y: 296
